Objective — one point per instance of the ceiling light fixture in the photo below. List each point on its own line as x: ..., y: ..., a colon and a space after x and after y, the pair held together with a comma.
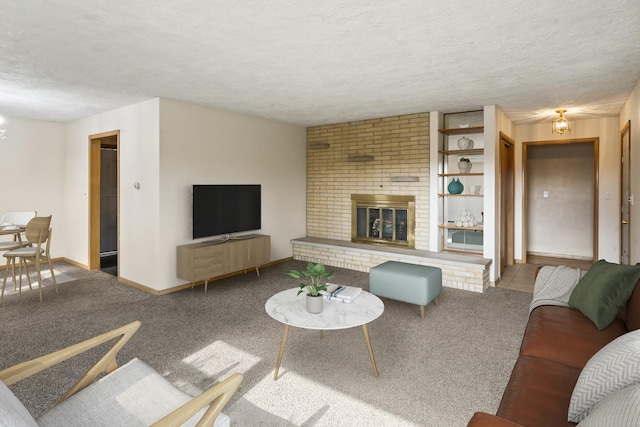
x: 561, y: 125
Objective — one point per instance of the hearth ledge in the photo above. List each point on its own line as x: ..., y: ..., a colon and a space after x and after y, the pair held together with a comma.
x: 458, y: 271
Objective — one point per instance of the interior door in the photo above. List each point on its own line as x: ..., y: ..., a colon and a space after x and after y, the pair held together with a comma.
x: 625, y: 194
x: 507, y: 159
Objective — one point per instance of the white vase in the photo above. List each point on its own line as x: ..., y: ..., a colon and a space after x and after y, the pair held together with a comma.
x: 465, y: 143
x: 314, y: 304
x: 465, y: 167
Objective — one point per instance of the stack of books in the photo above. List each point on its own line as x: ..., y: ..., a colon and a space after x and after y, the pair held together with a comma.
x: 341, y: 293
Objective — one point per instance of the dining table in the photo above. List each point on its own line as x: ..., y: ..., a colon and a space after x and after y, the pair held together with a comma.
x: 16, y: 230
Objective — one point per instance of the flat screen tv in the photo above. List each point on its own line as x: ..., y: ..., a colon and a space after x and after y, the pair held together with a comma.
x: 225, y: 209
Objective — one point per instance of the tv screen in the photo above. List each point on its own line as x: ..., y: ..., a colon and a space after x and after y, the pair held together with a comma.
x: 225, y: 209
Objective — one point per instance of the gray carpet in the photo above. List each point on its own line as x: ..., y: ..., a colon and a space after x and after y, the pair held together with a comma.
x: 433, y: 372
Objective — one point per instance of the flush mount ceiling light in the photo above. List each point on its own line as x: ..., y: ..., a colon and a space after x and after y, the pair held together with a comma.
x: 561, y: 125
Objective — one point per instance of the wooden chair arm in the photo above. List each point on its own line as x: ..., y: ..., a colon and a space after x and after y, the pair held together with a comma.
x: 217, y: 396
x: 106, y: 364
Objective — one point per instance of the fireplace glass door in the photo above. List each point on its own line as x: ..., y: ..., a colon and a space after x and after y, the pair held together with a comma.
x: 383, y: 223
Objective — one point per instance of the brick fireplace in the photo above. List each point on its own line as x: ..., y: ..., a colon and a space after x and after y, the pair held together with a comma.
x: 366, y: 157
x: 379, y: 158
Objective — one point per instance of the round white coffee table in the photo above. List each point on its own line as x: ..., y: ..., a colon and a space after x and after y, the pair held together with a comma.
x: 288, y: 308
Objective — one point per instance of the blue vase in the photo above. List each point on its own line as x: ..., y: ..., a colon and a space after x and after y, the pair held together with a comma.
x: 455, y: 186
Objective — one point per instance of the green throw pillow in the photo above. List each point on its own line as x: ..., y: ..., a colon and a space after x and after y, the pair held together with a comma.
x: 602, y: 292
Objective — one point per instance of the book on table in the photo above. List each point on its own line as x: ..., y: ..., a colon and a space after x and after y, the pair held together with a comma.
x: 341, y: 293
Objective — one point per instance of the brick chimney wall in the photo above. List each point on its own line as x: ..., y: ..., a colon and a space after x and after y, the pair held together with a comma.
x: 399, y: 147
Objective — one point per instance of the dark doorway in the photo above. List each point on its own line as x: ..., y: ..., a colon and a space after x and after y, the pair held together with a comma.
x: 103, y: 202
x: 109, y: 206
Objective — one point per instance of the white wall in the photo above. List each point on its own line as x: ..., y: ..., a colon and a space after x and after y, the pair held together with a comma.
x: 561, y: 224
x: 139, y: 209
x: 495, y: 121
x: 631, y: 111
x: 608, y: 132
x: 31, y: 173
x: 200, y: 145
x: 166, y: 146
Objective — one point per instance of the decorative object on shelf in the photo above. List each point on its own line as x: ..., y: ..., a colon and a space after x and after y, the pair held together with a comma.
x: 405, y: 178
x: 319, y: 145
x: 359, y: 158
x: 312, y: 281
x: 477, y: 190
x: 561, y: 125
x: 455, y: 186
x: 464, y: 165
x: 465, y: 143
x: 466, y: 219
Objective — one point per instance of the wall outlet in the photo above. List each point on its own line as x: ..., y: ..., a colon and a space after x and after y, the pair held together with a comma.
x: 545, y: 194
x: 607, y: 195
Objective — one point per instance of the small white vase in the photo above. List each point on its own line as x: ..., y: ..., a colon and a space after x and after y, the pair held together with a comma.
x: 314, y: 304
x: 465, y: 143
x: 465, y: 167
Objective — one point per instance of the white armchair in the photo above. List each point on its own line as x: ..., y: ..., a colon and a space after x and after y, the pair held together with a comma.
x: 131, y: 395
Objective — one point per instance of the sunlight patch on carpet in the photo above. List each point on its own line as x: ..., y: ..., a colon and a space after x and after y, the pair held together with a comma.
x: 46, y: 279
x: 221, y: 360
x: 60, y: 277
x: 301, y: 401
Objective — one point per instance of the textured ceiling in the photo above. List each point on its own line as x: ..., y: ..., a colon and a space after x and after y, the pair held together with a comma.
x: 313, y: 62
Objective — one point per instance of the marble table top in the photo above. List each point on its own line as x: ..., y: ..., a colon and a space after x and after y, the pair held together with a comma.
x: 287, y: 308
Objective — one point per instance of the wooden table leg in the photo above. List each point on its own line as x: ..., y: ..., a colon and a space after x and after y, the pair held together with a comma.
x: 373, y: 360
x: 284, y: 340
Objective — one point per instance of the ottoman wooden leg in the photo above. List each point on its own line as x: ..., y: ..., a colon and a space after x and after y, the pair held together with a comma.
x: 422, y: 311
x: 436, y: 300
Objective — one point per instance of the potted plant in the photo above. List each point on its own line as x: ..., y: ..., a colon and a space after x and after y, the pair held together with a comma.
x: 312, y: 281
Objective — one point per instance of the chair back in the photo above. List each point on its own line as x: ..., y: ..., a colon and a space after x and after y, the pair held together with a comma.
x: 37, y: 230
x: 17, y: 217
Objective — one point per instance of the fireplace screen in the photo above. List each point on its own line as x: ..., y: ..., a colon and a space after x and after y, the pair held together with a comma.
x: 384, y: 220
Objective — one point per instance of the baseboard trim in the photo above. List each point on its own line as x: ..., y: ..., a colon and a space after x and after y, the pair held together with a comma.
x: 72, y: 262
x: 559, y: 256
x: 153, y: 291
x: 199, y: 283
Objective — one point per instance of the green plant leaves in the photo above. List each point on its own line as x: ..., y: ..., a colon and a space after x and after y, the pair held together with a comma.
x: 313, y: 279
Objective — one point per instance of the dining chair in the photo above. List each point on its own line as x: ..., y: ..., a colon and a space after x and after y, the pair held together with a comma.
x: 15, y: 218
x: 38, y: 235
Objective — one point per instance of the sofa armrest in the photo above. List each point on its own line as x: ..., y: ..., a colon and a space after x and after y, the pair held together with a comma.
x: 482, y: 419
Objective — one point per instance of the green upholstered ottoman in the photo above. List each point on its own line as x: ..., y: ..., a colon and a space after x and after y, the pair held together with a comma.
x: 412, y: 283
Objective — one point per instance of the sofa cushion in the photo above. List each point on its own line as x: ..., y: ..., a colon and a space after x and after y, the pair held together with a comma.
x: 12, y: 411
x: 132, y: 395
x: 621, y: 409
x: 604, y: 290
x: 538, y: 393
x: 615, y: 366
x: 565, y: 335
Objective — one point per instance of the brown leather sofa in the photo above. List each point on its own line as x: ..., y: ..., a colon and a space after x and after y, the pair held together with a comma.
x: 557, y: 344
